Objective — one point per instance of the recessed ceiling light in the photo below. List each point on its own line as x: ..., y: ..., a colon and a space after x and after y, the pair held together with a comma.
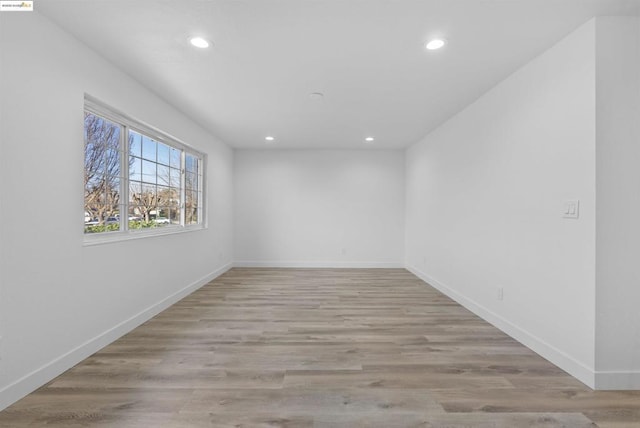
x: 269, y: 138
x: 369, y: 139
x: 199, y: 42
x: 435, y: 44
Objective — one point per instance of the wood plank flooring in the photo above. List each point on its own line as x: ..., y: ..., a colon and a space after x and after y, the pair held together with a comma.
x: 319, y: 348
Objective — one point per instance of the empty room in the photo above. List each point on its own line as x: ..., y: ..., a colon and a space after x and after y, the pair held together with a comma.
x: 320, y: 213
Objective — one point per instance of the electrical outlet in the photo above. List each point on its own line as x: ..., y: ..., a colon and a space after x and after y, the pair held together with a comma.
x: 500, y: 294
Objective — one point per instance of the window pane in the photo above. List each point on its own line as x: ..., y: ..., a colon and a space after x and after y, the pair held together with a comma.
x: 162, y: 216
x: 163, y: 154
x: 191, y: 207
x: 191, y: 197
x: 135, y: 144
x: 164, y: 177
x: 174, y: 215
x: 164, y: 195
x: 149, y: 201
x: 106, y: 220
x: 191, y: 164
x: 148, y: 190
x: 149, y: 172
x: 148, y: 148
x: 112, y: 222
x: 142, y: 200
x: 112, y: 194
x: 135, y: 214
x: 138, y: 219
x: 112, y: 161
x: 101, y: 171
x: 191, y: 181
x: 174, y: 200
x: 135, y: 169
x: 192, y: 216
x: 174, y: 179
x: 175, y: 158
x: 135, y: 192
x: 94, y: 192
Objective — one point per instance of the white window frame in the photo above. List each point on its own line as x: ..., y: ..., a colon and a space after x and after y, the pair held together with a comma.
x: 126, y: 123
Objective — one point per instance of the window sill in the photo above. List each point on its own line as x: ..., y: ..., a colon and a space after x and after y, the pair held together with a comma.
x: 112, y: 237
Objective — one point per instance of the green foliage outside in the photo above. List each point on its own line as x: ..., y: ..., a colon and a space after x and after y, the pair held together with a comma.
x: 114, y: 227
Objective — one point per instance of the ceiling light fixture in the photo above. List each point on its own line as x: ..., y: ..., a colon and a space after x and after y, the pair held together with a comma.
x: 269, y: 138
x: 369, y: 139
x: 199, y: 42
x: 435, y: 44
x: 316, y: 96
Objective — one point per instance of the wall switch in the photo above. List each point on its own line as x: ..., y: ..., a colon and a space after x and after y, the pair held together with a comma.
x: 500, y: 294
x: 571, y: 209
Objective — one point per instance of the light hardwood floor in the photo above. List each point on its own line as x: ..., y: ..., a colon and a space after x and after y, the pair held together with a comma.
x: 319, y: 348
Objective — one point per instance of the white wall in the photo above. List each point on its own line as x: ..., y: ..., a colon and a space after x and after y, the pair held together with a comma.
x: 484, y: 204
x: 61, y: 301
x: 618, y: 202
x: 319, y: 208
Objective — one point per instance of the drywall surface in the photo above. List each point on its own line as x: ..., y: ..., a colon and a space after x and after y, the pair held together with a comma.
x: 618, y: 203
x: 485, y: 203
x: 61, y: 301
x: 319, y: 208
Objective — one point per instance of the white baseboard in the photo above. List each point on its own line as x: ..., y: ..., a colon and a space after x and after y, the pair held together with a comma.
x: 617, y: 381
x: 34, y: 380
x: 326, y: 264
x: 556, y: 356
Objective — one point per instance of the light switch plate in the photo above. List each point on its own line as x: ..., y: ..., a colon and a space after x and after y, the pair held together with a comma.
x: 571, y: 209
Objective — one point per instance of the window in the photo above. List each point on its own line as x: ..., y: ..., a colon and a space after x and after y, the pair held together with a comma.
x: 137, y: 180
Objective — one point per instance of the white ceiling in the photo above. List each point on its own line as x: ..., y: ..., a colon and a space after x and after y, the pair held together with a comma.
x: 366, y: 56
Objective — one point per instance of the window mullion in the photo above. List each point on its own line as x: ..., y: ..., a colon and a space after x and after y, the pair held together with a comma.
x: 124, y: 179
x: 200, y: 192
x: 183, y: 192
